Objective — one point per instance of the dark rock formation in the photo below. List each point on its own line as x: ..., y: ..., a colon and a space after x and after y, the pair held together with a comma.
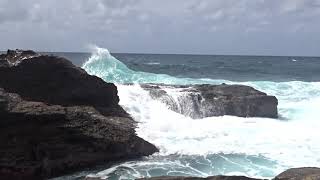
x: 55, y: 118
x: 199, y: 101
x: 308, y: 173
x: 14, y: 57
x: 54, y: 80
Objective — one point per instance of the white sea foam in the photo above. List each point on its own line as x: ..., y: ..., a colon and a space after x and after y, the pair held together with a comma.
x: 153, y: 63
x: 291, y: 141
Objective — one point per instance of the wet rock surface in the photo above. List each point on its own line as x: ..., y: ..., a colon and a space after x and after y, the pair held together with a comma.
x: 55, y: 119
x: 200, y: 101
x: 308, y: 173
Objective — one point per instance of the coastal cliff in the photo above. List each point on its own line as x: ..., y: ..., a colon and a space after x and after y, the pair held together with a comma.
x: 55, y: 119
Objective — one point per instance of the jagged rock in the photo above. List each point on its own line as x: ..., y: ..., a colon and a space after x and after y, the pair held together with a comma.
x: 199, y: 101
x: 55, y: 119
x: 14, y: 57
x: 54, y: 80
x: 307, y: 173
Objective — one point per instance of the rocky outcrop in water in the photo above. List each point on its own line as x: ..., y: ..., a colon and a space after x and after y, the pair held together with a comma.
x: 55, y: 118
x: 308, y: 173
x: 199, y: 101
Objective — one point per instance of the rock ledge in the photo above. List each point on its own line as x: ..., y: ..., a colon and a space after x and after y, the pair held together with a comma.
x: 205, y: 100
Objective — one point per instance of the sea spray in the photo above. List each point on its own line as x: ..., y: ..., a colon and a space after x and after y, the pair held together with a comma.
x: 257, y: 147
x: 104, y: 65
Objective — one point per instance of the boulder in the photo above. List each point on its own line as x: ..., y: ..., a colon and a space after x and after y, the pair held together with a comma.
x: 306, y: 173
x: 205, y: 100
x: 56, y: 119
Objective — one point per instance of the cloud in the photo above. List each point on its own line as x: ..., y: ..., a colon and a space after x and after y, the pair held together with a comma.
x: 252, y: 14
x: 176, y: 26
x: 12, y: 11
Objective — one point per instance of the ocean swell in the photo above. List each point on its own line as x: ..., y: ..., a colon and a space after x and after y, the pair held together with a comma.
x: 257, y: 147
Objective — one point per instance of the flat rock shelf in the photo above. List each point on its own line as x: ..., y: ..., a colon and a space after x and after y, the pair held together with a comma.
x: 208, y: 100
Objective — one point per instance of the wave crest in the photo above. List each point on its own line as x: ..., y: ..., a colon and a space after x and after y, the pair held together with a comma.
x: 104, y: 65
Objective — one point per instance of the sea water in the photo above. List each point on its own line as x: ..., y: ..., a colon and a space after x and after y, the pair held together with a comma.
x: 227, y: 145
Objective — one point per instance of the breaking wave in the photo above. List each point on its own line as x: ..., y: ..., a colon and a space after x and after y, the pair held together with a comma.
x: 256, y: 147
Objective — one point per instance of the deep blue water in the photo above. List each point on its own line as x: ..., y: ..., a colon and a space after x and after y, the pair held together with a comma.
x: 234, y: 68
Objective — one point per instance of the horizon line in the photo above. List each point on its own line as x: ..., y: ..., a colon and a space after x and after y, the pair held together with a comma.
x: 189, y: 54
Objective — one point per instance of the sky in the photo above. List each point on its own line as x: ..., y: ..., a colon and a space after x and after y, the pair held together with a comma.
x: 238, y: 27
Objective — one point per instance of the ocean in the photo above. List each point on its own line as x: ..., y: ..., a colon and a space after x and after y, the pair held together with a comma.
x: 227, y: 145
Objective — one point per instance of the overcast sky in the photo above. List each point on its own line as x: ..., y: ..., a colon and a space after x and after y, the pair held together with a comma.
x: 255, y: 27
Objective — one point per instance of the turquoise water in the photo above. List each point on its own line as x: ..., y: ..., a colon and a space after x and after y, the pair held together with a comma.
x: 255, y: 147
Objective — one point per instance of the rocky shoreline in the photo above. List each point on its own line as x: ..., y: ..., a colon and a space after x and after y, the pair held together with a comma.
x: 56, y: 119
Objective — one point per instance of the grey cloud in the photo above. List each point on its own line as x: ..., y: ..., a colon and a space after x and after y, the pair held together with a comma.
x: 166, y: 26
x: 119, y: 3
x: 12, y: 11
